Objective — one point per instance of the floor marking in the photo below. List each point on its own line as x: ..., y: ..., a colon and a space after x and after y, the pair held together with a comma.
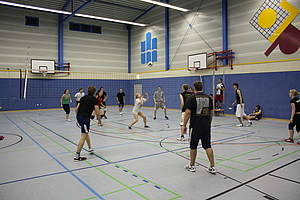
x: 76, y: 177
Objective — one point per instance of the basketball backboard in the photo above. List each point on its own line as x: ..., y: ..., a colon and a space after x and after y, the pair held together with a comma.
x: 197, y: 61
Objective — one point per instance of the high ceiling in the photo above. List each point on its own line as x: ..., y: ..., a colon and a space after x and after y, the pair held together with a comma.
x: 128, y: 10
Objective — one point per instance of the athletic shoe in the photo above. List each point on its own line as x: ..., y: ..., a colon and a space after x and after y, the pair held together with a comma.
x: 146, y: 126
x: 121, y: 113
x: 92, y: 117
x: 181, y: 139
x: 129, y: 127
x: 211, y: 170
x: 298, y: 143
x: 79, y: 158
x: 166, y: 117
x: 289, y: 140
x: 91, y: 151
x: 250, y: 123
x: 68, y: 120
x: 239, y: 125
x: 154, y: 117
x: 105, y: 117
x: 190, y: 168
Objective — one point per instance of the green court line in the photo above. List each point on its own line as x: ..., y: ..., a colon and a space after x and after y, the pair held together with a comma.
x: 123, y: 189
x: 272, y: 160
x: 231, y: 167
x: 90, y: 198
x: 85, y: 161
x: 128, y: 187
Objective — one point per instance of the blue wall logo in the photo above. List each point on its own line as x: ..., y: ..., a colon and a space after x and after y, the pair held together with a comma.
x: 149, y: 49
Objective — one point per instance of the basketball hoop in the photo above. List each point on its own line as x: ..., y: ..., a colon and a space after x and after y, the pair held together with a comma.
x: 193, y: 69
x: 44, y: 73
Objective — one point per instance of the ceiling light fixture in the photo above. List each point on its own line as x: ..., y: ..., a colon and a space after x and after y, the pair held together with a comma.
x: 166, y: 5
x: 68, y: 13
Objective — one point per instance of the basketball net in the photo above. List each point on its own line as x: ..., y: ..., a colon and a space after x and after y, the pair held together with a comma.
x: 44, y: 73
x: 193, y: 69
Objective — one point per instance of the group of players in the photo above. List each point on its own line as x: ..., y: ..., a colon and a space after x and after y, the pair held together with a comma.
x: 196, y: 108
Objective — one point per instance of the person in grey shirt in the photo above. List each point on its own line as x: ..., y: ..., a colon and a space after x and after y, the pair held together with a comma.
x: 159, y: 101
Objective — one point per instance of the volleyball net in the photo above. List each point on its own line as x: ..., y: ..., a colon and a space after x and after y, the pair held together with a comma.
x: 45, y: 90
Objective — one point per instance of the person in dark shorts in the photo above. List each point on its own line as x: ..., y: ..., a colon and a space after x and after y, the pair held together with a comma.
x: 199, y: 109
x: 83, y: 111
x: 257, y: 113
x: 295, y: 115
x: 183, y: 97
x: 159, y: 101
x: 64, y: 103
x: 121, y: 98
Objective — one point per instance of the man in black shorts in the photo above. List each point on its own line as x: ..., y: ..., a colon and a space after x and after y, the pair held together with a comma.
x: 84, y: 110
x: 121, y: 98
x: 199, y: 109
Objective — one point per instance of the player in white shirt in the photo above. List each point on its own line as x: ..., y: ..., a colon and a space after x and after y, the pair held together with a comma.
x: 137, y: 109
x: 79, y: 95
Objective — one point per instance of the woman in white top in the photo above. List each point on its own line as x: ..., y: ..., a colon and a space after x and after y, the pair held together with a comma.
x: 137, y: 109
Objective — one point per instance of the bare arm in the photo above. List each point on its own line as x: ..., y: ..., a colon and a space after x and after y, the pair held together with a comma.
x: 105, y: 97
x: 147, y: 99
x: 117, y: 100
x: 211, y: 114
x: 185, y: 120
x: 70, y: 98
x: 62, y: 96
x: 76, y: 109
x: 181, y: 101
x: 293, y: 112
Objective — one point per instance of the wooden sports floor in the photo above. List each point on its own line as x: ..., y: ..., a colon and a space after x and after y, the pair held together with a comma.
x: 38, y: 149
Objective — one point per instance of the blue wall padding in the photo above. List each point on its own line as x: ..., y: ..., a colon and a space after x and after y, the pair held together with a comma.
x: 269, y: 90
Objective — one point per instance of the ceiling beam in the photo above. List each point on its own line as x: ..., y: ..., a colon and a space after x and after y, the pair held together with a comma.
x: 66, y: 4
x: 113, y: 4
x: 77, y: 10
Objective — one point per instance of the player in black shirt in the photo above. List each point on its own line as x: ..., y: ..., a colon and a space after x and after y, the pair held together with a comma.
x: 183, y: 97
x: 83, y: 111
x: 121, y: 98
x: 295, y: 115
x: 104, y: 97
x: 240, y: 106
x: 199, y: 109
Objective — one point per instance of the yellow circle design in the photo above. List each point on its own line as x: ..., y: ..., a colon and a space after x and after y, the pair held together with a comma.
x: 267, y: 18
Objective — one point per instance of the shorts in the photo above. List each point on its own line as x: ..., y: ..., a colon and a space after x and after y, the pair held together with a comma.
x: 203, y: 135
x: 66, y: 108
x: 296, y: 122
x: 104, y: 103
x: 181, y: 118
x: 240, y: 111
x: 219, y: 97
x: 121, y: 104
x: 135, y: 112
x: 159, y: 104
x: 84, y: 123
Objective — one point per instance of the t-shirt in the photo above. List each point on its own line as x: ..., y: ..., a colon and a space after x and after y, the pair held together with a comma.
x: 66, y: 99
x: 200, y: 105
x: 120, y: 97
x: 79, y: 95
x: 219, y: 91
x: 296, y: 101
x: 185, y: 95
x: 159, y: 96
x: 238, y: 97
x: 87, y: 105
x: 104, y: 95
x: 138, y: 106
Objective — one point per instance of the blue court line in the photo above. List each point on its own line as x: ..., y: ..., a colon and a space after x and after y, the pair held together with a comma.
x: 108, y: 163
x: 65, y: 138
x: 81, y: 181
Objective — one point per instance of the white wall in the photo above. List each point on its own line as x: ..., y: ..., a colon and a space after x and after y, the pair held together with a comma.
x: 105, y: 52
x: 247, y: 43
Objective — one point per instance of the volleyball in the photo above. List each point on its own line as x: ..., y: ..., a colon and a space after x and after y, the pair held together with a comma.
x: 150, y: 64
